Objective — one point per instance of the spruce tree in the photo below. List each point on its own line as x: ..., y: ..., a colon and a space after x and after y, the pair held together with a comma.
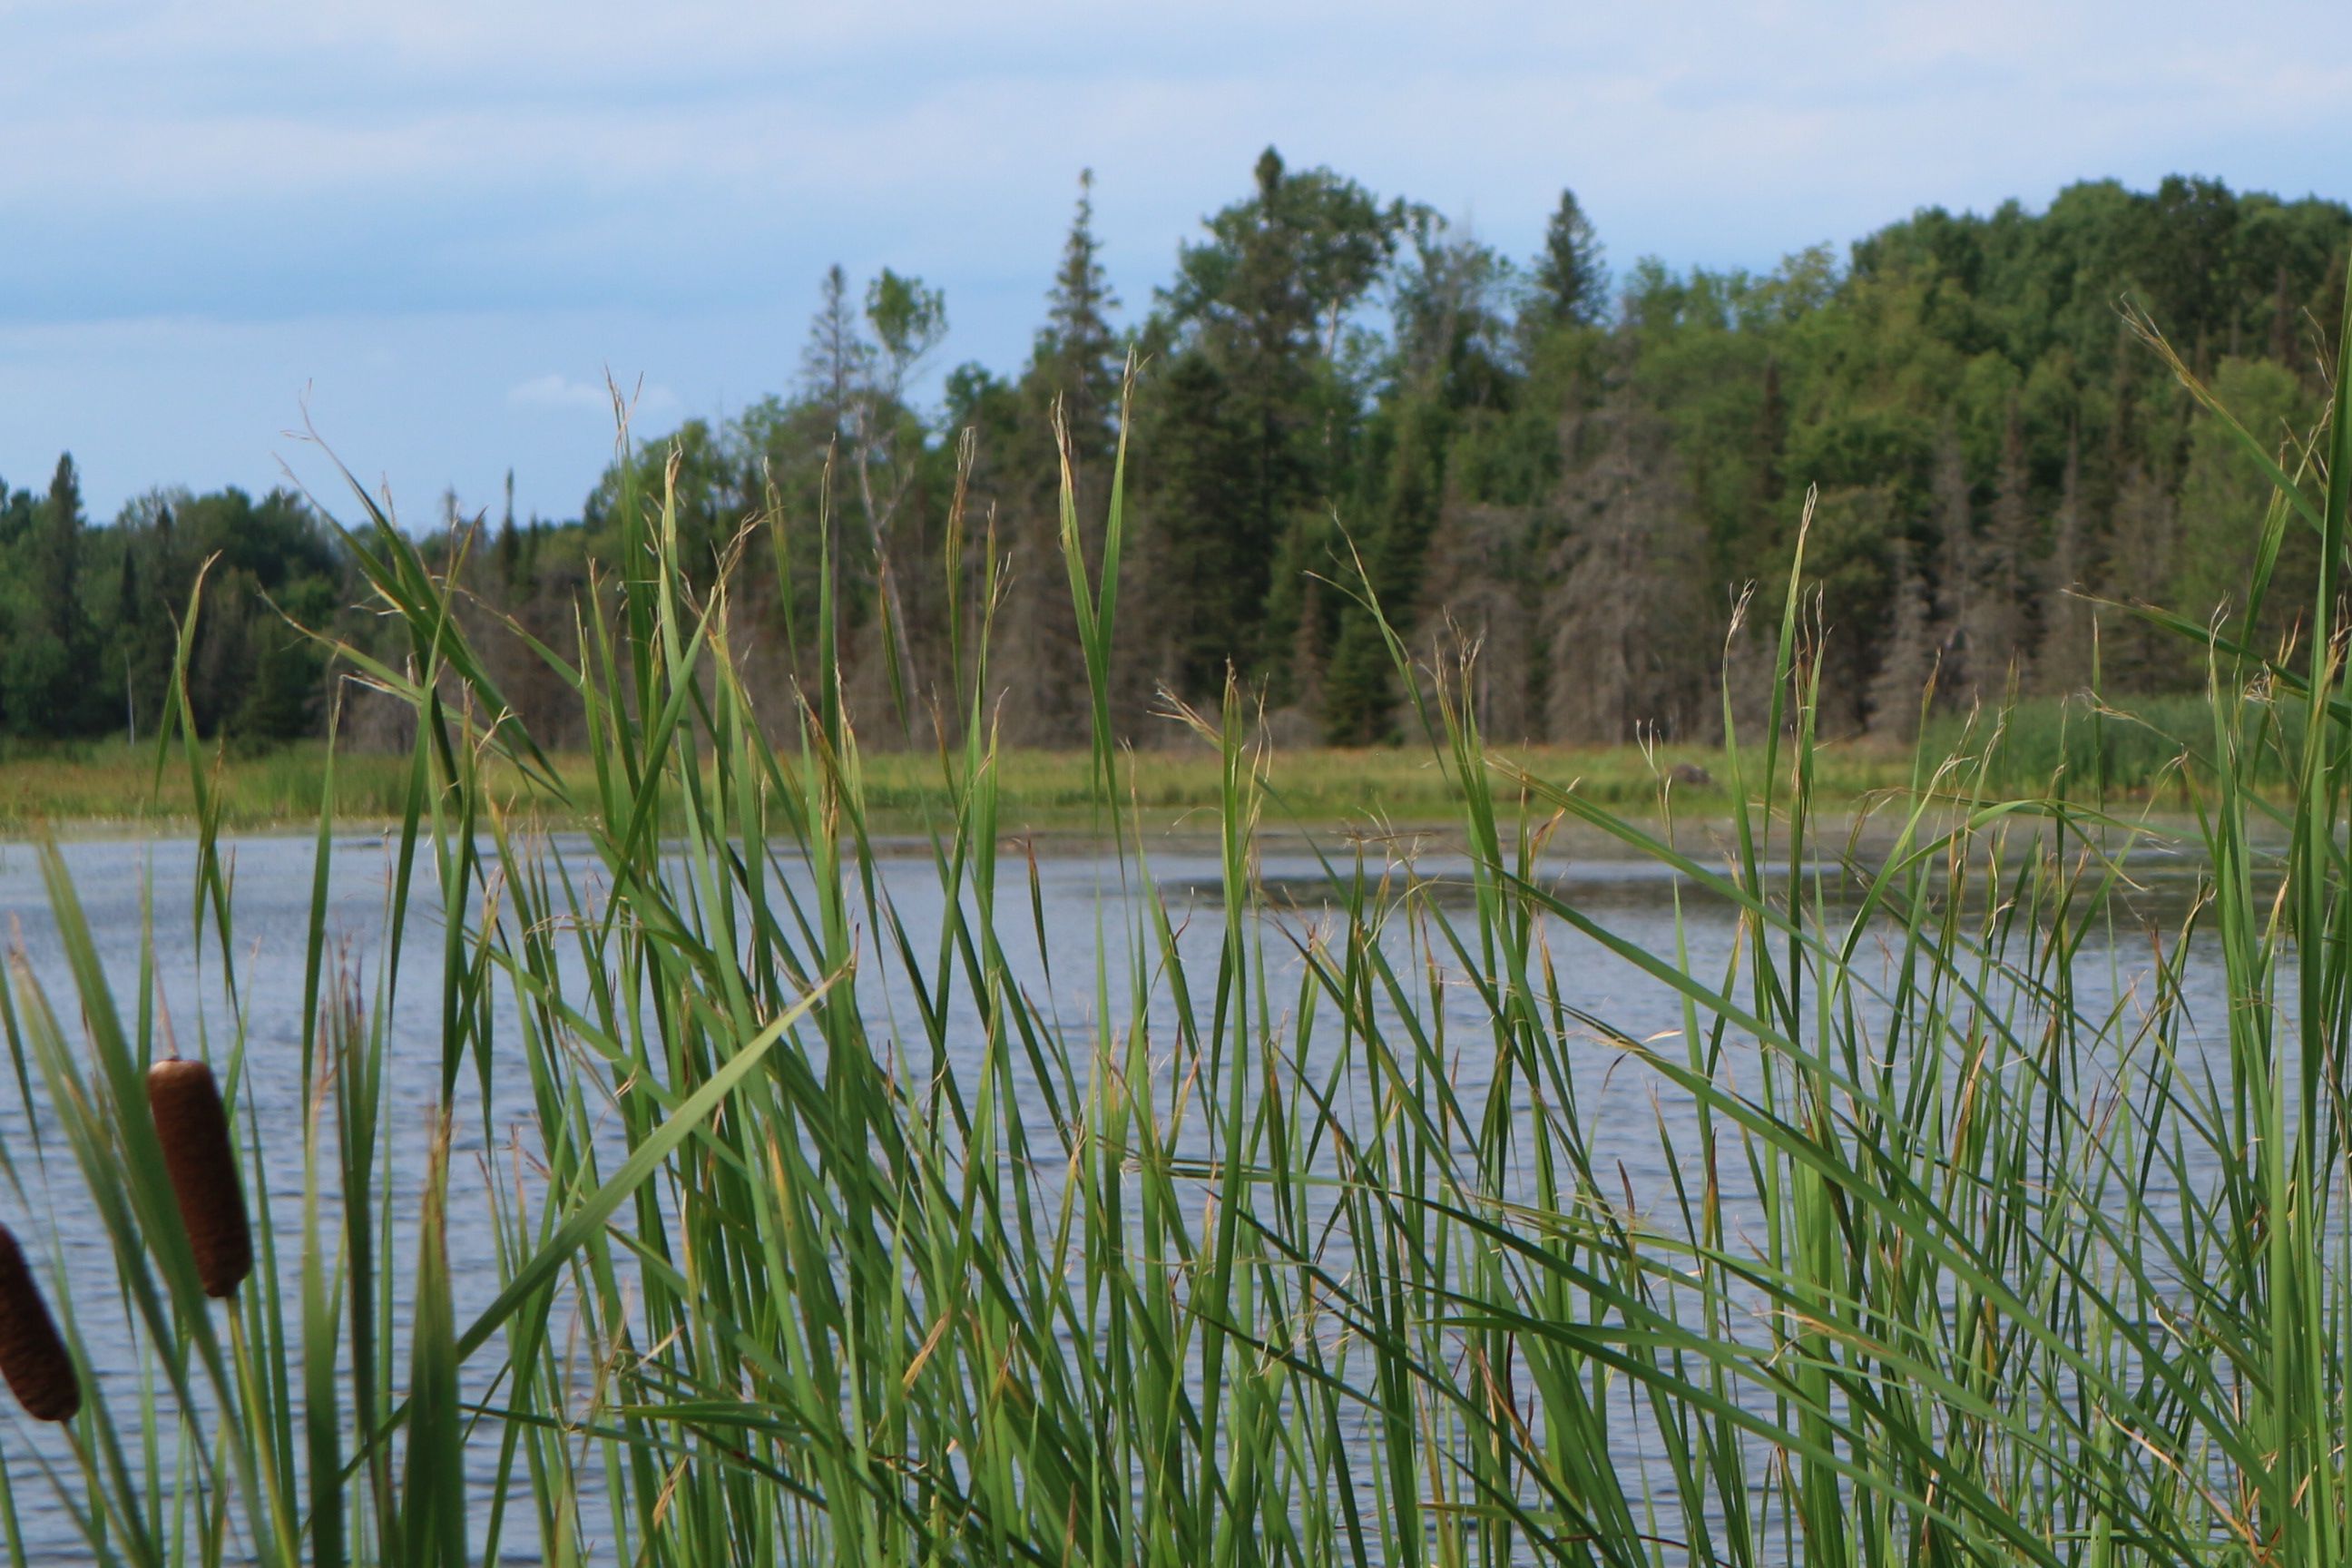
x: 47, y: 671
x: 1077, y: 353
x: 57, y: 555
x: 122, y: 651
x: 1212, y: 573
x: 281, y: 696
x: 1264, y: 302
x: 837, y: 359
x: 1572, y: 278
x: 1074, y: 376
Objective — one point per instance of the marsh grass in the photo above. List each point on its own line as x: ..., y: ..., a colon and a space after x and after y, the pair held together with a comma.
x: 1176, y: 788
x: 2153, y: 750
x: 831, y: 1239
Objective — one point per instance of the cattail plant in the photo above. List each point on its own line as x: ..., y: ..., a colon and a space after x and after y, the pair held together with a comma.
x: 194, y: 1131
x: 32, y: 1357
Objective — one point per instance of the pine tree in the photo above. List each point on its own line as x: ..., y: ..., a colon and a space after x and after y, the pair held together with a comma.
x: 855, y: 369
x: 281, y: 698
x: 50, y: 684
x: 129, y: 609
x: 1571, y: 276
x: 509, y: 545
x: 147, y: 605
x: 1263, y: 301
x: 837, y: 359
x: 56, y: 557
x: 1074, y: 377
x: 508, y: 554
x: 1077, y: 353
x: 1359, y: 695
x: 1211, y: 574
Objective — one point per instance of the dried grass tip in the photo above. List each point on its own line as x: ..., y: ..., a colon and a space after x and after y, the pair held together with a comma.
x: 194, y: 1131
x: 32, y: 1357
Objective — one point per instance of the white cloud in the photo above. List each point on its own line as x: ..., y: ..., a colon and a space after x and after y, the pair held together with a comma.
x: 539, y: 182
x: 282, y: 158
x: 556, y: 390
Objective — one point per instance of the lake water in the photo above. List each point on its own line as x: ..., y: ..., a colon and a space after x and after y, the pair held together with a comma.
x: 120, y: 884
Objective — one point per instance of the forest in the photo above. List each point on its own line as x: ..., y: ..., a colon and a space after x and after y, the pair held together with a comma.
x: 1348, y: 413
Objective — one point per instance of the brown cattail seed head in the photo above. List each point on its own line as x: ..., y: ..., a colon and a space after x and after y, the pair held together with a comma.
x: 33, y: 1359
x: 194, y: 1131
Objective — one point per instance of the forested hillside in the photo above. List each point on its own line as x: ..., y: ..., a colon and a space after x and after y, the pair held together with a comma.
x: 1580, y: 471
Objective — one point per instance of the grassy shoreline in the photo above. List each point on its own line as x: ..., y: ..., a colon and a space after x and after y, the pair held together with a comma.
x: 102, y: 787
x: 114, y: 784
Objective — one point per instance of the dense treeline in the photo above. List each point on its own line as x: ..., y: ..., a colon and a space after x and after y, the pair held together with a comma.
x: 1342, y: 397
x: 89, y: 616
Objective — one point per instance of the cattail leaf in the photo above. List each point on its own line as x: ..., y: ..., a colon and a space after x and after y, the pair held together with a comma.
x: 589, y: 1216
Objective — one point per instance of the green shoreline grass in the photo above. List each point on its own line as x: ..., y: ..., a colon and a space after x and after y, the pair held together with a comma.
x: 114, y: 786
x: 113, y: 783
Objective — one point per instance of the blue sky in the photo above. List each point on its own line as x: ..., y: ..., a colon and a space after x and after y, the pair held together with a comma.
x: 435, y: 227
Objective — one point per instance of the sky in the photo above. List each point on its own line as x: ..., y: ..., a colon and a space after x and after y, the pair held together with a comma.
x: 429, y: 232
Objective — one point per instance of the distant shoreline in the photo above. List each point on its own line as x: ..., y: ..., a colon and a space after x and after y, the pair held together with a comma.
x: 114, y: 791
